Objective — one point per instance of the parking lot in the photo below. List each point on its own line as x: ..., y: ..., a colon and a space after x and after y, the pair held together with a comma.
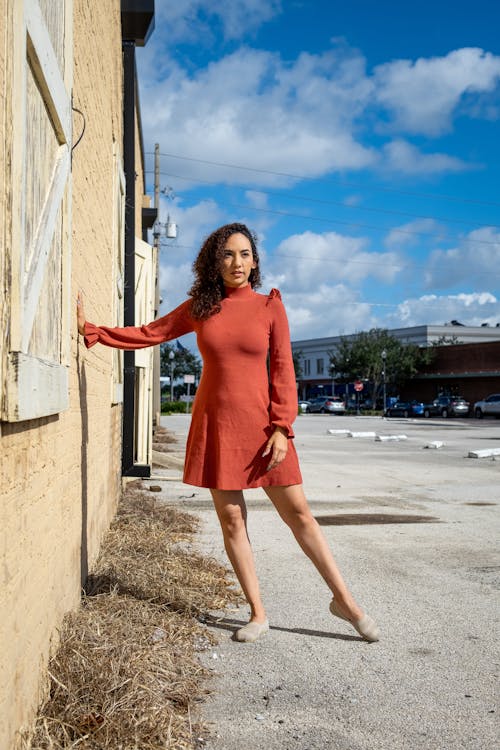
x: 368, y: 470
x: 414, y: 530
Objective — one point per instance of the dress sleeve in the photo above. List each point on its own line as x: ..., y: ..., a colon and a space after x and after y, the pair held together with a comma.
x: 283, y: 408
x: 170, y: 326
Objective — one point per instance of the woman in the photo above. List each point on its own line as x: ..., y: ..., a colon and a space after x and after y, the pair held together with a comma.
x: 241, y: 429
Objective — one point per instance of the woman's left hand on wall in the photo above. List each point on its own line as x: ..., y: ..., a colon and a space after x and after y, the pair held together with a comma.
x: 80, y: 314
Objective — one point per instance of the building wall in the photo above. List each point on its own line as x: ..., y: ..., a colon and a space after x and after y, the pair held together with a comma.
x: 61, y: 473
x: 313, y: 350
x: 140, y: 201
x: 3, y: 114
x: 468, y: 370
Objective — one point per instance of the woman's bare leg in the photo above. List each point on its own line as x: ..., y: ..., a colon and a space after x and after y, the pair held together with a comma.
x: 291, y: 504
x: 232, y: 513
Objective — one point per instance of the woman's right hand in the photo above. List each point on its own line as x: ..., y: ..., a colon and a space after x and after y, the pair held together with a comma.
x: 80, y: 314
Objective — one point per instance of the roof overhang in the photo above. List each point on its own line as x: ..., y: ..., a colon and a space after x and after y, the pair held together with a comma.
x: 149, y: 216
x: 137, y: 20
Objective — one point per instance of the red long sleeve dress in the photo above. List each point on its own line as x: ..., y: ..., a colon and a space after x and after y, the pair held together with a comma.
x: 237, y: 405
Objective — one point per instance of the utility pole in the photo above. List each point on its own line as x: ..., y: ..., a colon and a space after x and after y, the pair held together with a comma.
x: 156, y: 261
x: 157, y: 175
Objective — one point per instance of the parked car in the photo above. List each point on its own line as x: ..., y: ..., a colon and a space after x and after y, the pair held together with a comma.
x: 489, y: 405
x: 328, y: 405
x: 304, y: 406
x: 447, y: 406
x: 355, y: 405
x: 405, y: 409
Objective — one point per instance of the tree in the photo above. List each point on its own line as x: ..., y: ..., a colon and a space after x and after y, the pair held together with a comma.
x: 185, y: 362
x: 361, y: 357
x: 447, y: 340
x: 297, y: 365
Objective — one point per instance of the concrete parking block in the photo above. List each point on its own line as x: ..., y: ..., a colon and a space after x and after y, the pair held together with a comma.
x: 484, y: 453
x: 389, y: 438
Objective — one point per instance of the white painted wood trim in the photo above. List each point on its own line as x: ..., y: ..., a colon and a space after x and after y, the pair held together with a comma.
x: 144, y: 311
x: 67, y: 302
x: 35, y: 388
x: 47, y: 72
x: 42, y: 248
x: 117, y: 393
x: 119, y: 262
x: 143, y: 295
x: 15, y: 244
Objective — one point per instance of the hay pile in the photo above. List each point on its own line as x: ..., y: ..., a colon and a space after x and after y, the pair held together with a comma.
x: 126, y: 676
x: 164, y: 441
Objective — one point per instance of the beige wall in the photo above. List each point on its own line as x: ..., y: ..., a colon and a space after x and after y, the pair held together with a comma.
x: 139, y: 183
x: 3, y: 15
x: 61, y: 475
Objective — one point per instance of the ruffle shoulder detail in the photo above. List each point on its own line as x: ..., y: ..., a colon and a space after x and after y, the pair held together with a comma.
x: 273, y: 294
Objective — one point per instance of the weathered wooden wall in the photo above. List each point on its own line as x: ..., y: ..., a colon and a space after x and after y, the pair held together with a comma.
x: 61, y: 474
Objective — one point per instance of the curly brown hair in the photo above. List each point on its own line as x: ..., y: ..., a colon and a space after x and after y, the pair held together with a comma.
x: 208, y: 288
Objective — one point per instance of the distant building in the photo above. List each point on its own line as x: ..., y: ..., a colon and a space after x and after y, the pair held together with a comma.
x: 314, y: 354
x: 468, y: 370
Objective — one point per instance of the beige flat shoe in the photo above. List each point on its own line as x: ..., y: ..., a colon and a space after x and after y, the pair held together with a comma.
x: 250, y: 632
x: 366, y: 627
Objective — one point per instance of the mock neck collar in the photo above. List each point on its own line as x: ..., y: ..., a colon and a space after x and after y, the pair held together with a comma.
x: 240, y: 292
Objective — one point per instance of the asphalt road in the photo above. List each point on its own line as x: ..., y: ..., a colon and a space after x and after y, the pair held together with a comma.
x: 432, y: 585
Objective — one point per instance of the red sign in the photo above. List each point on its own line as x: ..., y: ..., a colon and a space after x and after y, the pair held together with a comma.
x: 358, y: 385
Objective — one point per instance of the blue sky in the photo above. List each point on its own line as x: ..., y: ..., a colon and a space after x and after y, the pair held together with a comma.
x: 359, y: 140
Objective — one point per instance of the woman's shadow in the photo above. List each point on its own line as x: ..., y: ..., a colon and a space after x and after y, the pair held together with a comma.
x: 231, y: 625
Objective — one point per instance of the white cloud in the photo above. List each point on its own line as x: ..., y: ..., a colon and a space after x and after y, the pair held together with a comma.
x: 324, y: 278
x: 329, y: 310
x: 431, y: 309
x: 400, y: 156
x: 474, y: 261
x: 298, y: 118
x: 251, y: 107
x: 304, y: 117
x: 423, y: 95
x: 413, y: 233
x: 256, y: 198
x: 177, y: 256
x: 302, y: 260
x: 242, y: 17
x: 353, y: 200
x: 337, y: 310
x: 320, y: 276
x: 192, y: 20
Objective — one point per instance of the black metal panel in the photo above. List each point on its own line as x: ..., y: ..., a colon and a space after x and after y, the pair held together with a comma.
x: 137, y: 20
x: 128, y: 425
x: 149, y: 216
x: 138, y: 470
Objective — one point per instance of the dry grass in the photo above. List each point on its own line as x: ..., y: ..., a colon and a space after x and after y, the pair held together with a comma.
x: 163, y: 440
x: 126, y: 676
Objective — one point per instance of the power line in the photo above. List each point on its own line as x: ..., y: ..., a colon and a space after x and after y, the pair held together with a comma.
x: 348, y: 183
x: 361, y: 225
x: 347, y: 261
x: 330, y: 202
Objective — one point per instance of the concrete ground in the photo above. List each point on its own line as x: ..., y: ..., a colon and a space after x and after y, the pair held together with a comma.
x: 312, y: 683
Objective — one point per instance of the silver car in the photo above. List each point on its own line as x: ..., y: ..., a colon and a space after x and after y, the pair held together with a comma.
x: 327, y: 405
x: 489, y: 405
